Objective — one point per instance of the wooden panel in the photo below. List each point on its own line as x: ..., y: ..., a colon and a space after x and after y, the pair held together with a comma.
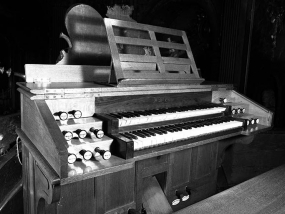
x: 150, y: 75
x: 138, y: 66
x: 137, y: 58
x: 133, y: 41
x: 170, y: 45
x: 27, y: 197
x: 176, y: 60
x: 49, y: 173
x: 35, y: 199
x: 143, y: 58
x: 115, y: 190
x: 154, y: 165
x: 144, y: 102
x: 205, y: 160
x: 160, y: 81
x: 41, y: 128
x: 163, y: 77
x: 175, y: 67
x: 66, y: 73
x: 37, y: 91
x: 155, y: 161
x: 179, y: 168
x: 78, y: 197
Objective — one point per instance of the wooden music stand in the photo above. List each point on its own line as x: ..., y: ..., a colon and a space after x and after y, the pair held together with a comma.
x: 166, y: 56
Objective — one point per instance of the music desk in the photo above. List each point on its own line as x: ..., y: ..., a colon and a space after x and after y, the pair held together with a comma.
x: 262, y: 194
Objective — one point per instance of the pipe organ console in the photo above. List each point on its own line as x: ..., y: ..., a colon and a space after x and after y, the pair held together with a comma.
x: 131, y: 145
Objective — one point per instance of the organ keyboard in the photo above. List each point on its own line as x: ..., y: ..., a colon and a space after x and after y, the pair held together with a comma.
x: 96, y: 148
x: 155, y: 115
x: 152, y: 137
x: 158, y: 127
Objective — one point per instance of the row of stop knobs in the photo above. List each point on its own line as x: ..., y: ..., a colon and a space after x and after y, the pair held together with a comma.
x: 97, y: 153
x: 252, y: 121
x: 238, y: 110
x: 65, y: 115
x: 68, y: 135
x: 182, y: 196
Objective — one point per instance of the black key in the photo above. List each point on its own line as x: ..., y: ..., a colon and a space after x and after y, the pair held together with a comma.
x: 161, y: 130
x: 173, y: 128
x: 150, y: 132
x: 187, y: 126
x: 180, y: 126
x: 167, y: 129
x: 177, y: 128
x: 151, y: 112
x: 171, y: 110
x: 115, y: 115
x: 124, y: 115
x: 156, y: 131
x: 144, y: 113
x: 144, y: 133
x: 131, y: 114
x: 138, y: 134
x: 131, y: 135
x: 126, y: 136
x: 136, y: 114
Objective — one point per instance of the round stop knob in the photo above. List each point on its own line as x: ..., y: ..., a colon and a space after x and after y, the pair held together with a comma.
x: 76, y: 113
x: 81, y: 133
x: 86, y: 154
x: 97, y: 132
x: 67, y: 135
x: 71, y: 158
x: 62, y: 115
x: 104, y: 153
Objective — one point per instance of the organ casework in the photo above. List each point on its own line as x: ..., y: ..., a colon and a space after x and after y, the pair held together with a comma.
x: 120, y: 139
x: 149, y: 138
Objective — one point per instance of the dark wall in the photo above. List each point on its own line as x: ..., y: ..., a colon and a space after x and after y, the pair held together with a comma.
x: 267, y: 59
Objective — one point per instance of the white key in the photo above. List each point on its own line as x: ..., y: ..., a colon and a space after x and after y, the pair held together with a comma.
x: 144, y: 142
x: 140, y: 142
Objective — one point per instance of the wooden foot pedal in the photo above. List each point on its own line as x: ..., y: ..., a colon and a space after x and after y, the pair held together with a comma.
x: 154, y: 200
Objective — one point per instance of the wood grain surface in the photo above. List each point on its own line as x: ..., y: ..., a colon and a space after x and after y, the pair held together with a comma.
x: 154, y: 199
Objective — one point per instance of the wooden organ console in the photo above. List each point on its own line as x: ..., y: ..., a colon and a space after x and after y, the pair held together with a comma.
x: 136, y: 143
